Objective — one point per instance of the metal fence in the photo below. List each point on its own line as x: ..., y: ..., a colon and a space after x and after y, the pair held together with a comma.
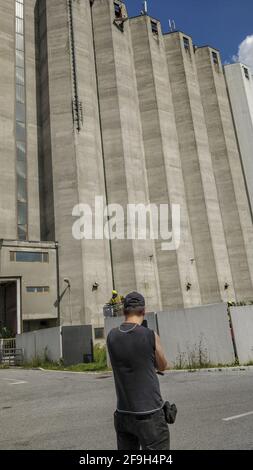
x: 9, y: 354
x: 115, y: 310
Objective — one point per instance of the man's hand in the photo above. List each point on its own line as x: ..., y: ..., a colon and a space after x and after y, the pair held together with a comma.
x: 161, y: 361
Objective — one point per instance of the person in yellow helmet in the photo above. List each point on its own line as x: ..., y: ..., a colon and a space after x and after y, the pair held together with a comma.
x: 117, y: 302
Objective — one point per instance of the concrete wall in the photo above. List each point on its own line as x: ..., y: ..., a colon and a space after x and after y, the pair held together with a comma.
x: 134, y: 261
x: 185, y: 332
x: 228, y: 173
x: 75, y: 158
x: 242, y: 321
x: 162, y: 160
x: 72, y: 344
x: 40, y: 343
x: 200, y: 187
x: 240, y: 90
x: 115, y: 322
x: 187, y: 335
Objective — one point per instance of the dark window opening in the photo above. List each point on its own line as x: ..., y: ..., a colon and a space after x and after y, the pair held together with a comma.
x: 118, y: 10
x: 37, y: 290
x: 215, y: 58
x: 154, y: 27
x: 99, y: 333
x: 186, y: 42
x: 246, y: 73
x: 29, y: 256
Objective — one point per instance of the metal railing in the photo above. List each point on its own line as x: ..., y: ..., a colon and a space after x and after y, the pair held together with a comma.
x: 115, y: 310
x: 9, y: 354
x: 11, y: 357
x: 9, y: 343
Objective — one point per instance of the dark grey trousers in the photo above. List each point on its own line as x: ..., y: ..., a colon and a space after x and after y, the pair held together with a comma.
x: 146, y: 432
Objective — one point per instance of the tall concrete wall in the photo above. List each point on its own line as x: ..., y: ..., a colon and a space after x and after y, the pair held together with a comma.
x: 63, y: 158
x: 240, y: 90
x: 76, y: 159
x: 202, y: 332
x: 227, y: 169
x: 242, y: 321
x: 134, y: 261
x: 201, y: 192
x: 162, y: 160
x: 96, y: 257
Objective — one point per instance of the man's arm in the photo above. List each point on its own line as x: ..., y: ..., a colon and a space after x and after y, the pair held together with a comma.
x: 161, y: 361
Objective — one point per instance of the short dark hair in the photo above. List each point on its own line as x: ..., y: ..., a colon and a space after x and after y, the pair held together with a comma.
x: 139, y: 311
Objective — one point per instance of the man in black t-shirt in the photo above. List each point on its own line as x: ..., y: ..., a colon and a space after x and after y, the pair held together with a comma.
x: 136, y: 354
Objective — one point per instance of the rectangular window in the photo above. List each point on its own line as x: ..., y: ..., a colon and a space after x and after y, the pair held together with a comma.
x: 246, y: 73
x: 20, y: 147
x: 215, y: 58
x: 20, y: 112
x: 118, y: 10
x: 154, y: 27
x: 99, y: 333
x: 22, y: 232
x: 37, y: 290
x: 29, y: 256
x: 19, y: 10
x: 20, y: 130
x: 186, y: 42
x: 20, y: 42
x: 20, y: 93
x: 20, y: 76
x: 21, y: 169
x: 20, y: 59
x: 22, y: 213
x: 22, y: 191
x: 19, y: 26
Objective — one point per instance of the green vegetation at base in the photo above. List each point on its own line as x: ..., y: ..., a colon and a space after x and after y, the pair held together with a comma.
x: 193, y: 360
x: 99, y: 364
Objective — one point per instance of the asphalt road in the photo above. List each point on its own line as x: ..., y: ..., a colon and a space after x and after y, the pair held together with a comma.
x: 58, y: 410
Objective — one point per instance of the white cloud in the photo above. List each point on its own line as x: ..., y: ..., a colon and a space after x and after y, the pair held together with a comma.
x: 245, y: 52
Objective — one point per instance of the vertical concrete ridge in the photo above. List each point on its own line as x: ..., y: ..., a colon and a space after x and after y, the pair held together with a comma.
x: 201, y: 193
x: 228, y: 172
x: 133, y: 260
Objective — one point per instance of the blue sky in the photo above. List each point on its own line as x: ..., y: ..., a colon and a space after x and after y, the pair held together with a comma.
x: 223, y: 24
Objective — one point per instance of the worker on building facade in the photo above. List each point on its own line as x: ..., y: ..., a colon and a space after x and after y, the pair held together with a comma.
x: 116, y: 302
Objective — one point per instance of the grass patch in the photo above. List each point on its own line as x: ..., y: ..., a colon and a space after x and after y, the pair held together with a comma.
x: 4, y: 366
x: 99, y: 364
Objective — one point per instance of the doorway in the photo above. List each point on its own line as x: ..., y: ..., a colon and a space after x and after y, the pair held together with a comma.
x: 10, y: 317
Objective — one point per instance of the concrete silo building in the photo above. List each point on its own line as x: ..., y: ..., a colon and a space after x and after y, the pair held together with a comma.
x: 96, y: 104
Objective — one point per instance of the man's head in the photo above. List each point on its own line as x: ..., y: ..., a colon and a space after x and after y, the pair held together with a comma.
x: 134, y: 305
x: 114, y: 294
